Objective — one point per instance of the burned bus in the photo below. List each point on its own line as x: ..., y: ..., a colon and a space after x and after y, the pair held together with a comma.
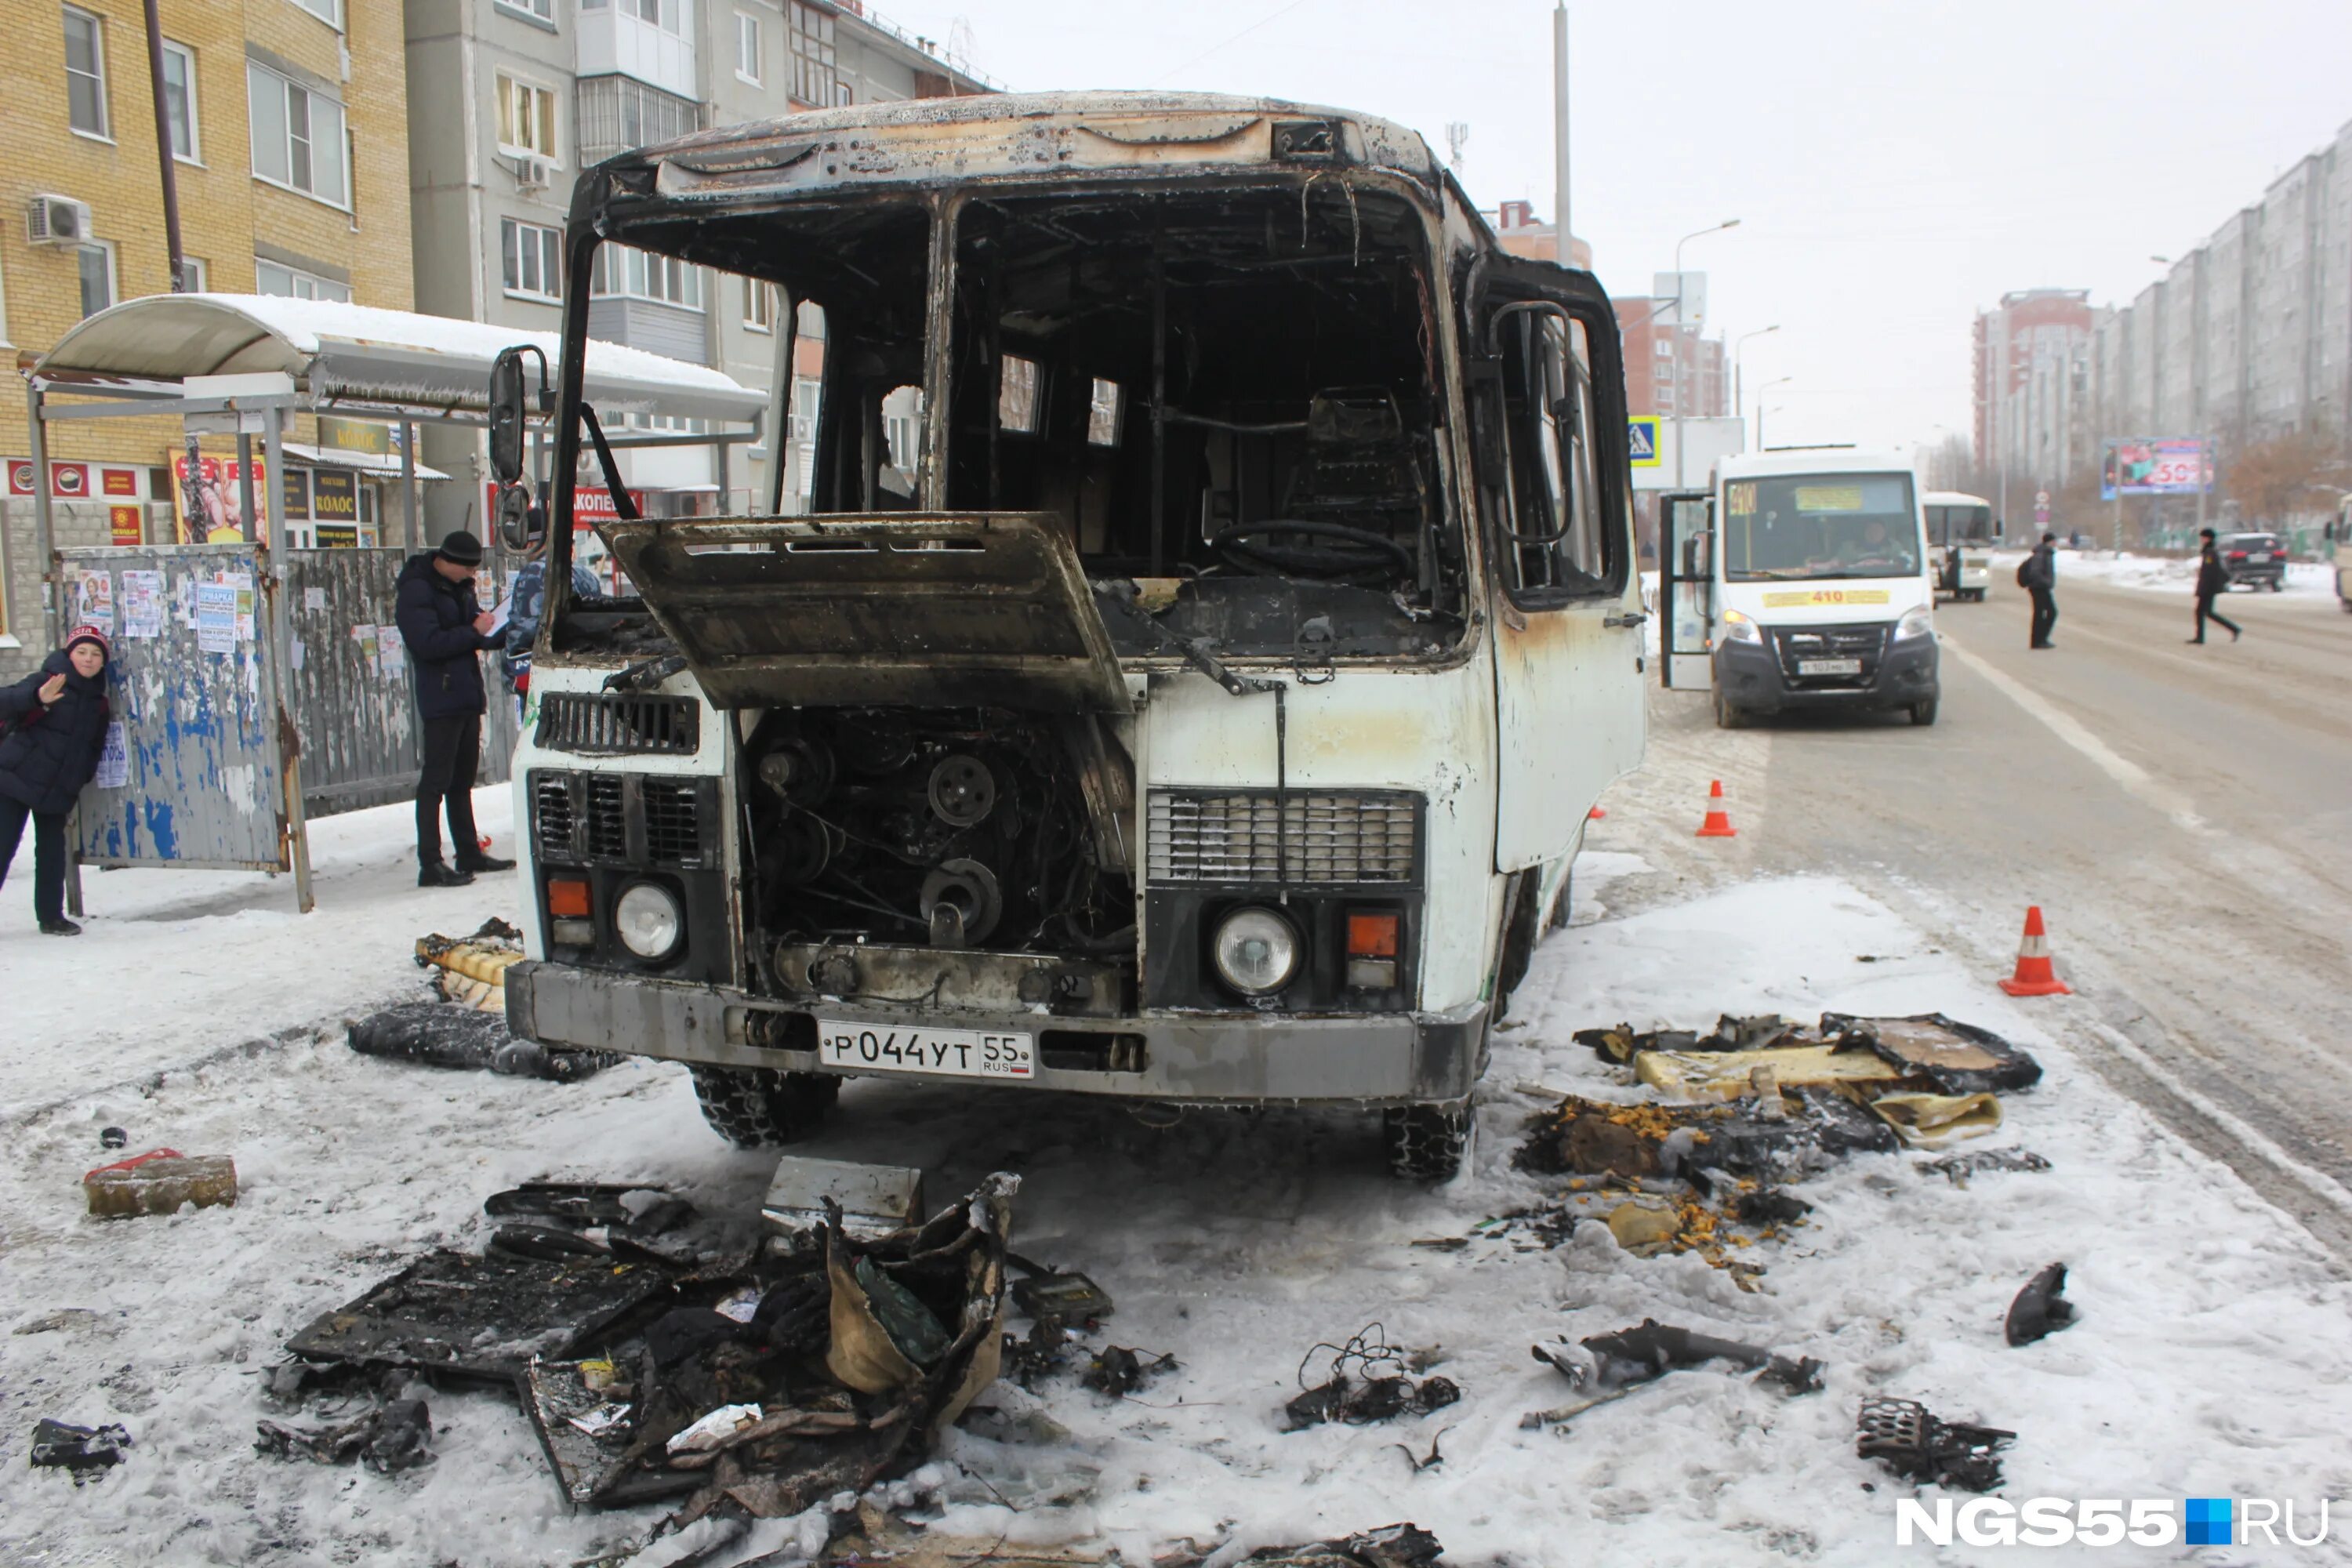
x: 1180, y: 670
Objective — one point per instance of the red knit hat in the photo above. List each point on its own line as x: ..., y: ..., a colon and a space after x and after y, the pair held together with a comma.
x: 89, y: 635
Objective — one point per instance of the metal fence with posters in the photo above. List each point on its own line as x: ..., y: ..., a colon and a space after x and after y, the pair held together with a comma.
x: 2177, y: 466
x: 196, y: 770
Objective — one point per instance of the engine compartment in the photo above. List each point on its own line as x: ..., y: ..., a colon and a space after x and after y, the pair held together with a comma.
x: 954, y: 829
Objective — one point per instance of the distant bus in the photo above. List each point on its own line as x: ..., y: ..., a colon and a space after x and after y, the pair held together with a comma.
x: 1960, y: 537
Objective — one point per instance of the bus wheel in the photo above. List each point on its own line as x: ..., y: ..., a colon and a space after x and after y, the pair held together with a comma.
x: 757, y: 1108
x: 1426, y: 1143
x: 1726, y: 716
x: 1923, y: 713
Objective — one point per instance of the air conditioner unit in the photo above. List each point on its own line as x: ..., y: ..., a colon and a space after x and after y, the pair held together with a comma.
x: 531, y: 173
x: 57, y: 220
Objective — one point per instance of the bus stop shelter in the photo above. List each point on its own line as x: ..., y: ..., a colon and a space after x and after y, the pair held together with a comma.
x: 257, y: 686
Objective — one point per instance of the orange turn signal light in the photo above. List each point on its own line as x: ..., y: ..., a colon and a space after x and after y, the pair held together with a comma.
x: 567, y: 896
x: 1371, y: 936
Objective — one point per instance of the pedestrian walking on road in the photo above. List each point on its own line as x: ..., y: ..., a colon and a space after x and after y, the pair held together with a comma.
x: 446, y: 630
x: 55, y: 724
x: 2038, y: 575
x: 2212, y: 582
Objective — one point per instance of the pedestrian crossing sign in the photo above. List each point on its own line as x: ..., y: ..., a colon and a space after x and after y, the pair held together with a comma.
x: 1642, y: 442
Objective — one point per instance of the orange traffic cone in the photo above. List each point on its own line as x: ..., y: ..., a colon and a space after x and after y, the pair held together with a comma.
x: 1595, y: 815
x: 2034, y: 977
x: 1718, y: 821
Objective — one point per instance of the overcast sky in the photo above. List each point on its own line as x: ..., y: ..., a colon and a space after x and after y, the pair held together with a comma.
x: 1895, y: 164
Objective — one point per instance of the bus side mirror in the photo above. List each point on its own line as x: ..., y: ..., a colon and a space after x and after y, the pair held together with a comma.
x: 506, y: 394
x: 520, y: 518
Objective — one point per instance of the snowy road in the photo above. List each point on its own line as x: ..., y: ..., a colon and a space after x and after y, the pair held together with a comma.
x: 2182, y: 814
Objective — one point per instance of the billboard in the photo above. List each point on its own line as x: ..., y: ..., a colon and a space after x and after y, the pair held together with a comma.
x: 2178, y: 466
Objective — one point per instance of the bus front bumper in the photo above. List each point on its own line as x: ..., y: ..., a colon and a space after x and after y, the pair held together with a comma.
x: 1205, y: 1059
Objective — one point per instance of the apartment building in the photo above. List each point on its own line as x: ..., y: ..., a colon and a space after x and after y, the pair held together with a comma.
x: 2032, y: 371
x: 287, y: 127
x: 511, y: 100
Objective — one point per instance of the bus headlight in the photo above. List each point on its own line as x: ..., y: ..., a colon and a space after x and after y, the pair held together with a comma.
x: 1918, y: 621
x: 1256, y: 952
x: 648, y: 921
x: 1739, y: 627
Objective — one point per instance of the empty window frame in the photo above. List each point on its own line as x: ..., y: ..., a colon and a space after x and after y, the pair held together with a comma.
x: 1017, y: 403
x: 1551, y: 542
x: 531, y: 258
x: 759, y: 306
x: 810, y: 33
x: 85, y: 74
x: 297, y: 137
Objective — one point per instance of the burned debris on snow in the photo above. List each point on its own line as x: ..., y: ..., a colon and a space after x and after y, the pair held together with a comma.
x: 1904, y: 1435
x: 83, y: 1450
x: 2041, y: 1309
x: 1364, y: 1381
x: 1603, y: 1367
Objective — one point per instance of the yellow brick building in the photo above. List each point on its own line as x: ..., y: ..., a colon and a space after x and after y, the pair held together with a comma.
x: 289, y: 122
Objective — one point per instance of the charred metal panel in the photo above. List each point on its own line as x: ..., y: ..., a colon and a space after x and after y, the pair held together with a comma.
x: 205, y: 780
x: 977, y: 610
x: 954, y: 980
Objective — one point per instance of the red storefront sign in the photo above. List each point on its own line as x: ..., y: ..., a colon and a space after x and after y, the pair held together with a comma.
x: 118, y: 481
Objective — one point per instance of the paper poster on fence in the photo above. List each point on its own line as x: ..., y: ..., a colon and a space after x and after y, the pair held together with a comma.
x: 243, y: 583
x: 114, y: 762
x: 363, y: 638
x: 391, y: 651
x: 142, y: 604
x: 94, y: 601
x: 215, y: 617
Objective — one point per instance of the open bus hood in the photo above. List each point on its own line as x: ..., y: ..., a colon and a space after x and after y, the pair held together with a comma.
x: 933, y: 610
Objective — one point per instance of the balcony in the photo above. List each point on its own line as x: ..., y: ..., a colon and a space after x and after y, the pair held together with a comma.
x: 615, y: 42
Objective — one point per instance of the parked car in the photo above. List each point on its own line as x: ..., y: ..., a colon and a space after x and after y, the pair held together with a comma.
x: 2257, y: 558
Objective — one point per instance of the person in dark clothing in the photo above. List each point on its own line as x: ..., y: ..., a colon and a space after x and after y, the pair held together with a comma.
x: 2038, y: 577
x: 56, y: 728
x: 446, y: 631
x: 2212, y: 582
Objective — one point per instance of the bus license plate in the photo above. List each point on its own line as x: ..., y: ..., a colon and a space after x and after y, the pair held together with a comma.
x: 961, y: 1053
x: 1829, y: 666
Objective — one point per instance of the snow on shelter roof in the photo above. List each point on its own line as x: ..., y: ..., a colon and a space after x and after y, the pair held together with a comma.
x: 361, y: 354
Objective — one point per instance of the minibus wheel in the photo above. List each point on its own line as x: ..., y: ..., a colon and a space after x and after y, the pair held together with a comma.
x: 1426, y: 1143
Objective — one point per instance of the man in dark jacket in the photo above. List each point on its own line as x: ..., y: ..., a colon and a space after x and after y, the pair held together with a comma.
x: 2212, y: 582
x: 527, y: 599
x: 446, y: 631
x: 2039, y: 576
x: 56, y: 724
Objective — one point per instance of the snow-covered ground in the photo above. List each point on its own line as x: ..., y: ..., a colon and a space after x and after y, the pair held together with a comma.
x: 2161, y: 574
x: 2211, y: 1359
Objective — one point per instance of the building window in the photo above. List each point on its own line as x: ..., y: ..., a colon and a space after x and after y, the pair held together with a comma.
x: 526, y: 118
x: 542, y: 9
x: 533, y: 259
x: 625, y: 274
x: 616, y: 114
x: 85, y: 74
x: 669, y: 15
x: 270, y: 278
x: 96, y: 262
x: 180, y: 101
x: 297, y: 138
x: 195, y: 273
x: 331, y: 12
x: 811, y: 32
x: 747, y: 47
x: 759, y: 305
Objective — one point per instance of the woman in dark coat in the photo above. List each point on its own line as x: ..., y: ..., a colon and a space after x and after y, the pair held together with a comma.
x: 2212, y: 582
x: 56, y: 724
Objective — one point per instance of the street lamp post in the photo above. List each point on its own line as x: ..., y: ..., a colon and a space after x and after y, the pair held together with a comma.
x: 1739, y: 403
x: 1681, y: 373
x: 1761, y: 390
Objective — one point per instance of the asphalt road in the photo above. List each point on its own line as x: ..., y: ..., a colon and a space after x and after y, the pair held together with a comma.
x: 2183, y: 815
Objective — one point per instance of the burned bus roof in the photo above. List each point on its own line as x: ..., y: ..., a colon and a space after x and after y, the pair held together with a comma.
x: 1009, y: 136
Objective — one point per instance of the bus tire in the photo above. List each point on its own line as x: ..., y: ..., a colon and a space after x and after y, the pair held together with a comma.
x: 1426, y: 1143
x: 761, y: 1107
x: 1923, y: 713
x: 1726, y: 715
